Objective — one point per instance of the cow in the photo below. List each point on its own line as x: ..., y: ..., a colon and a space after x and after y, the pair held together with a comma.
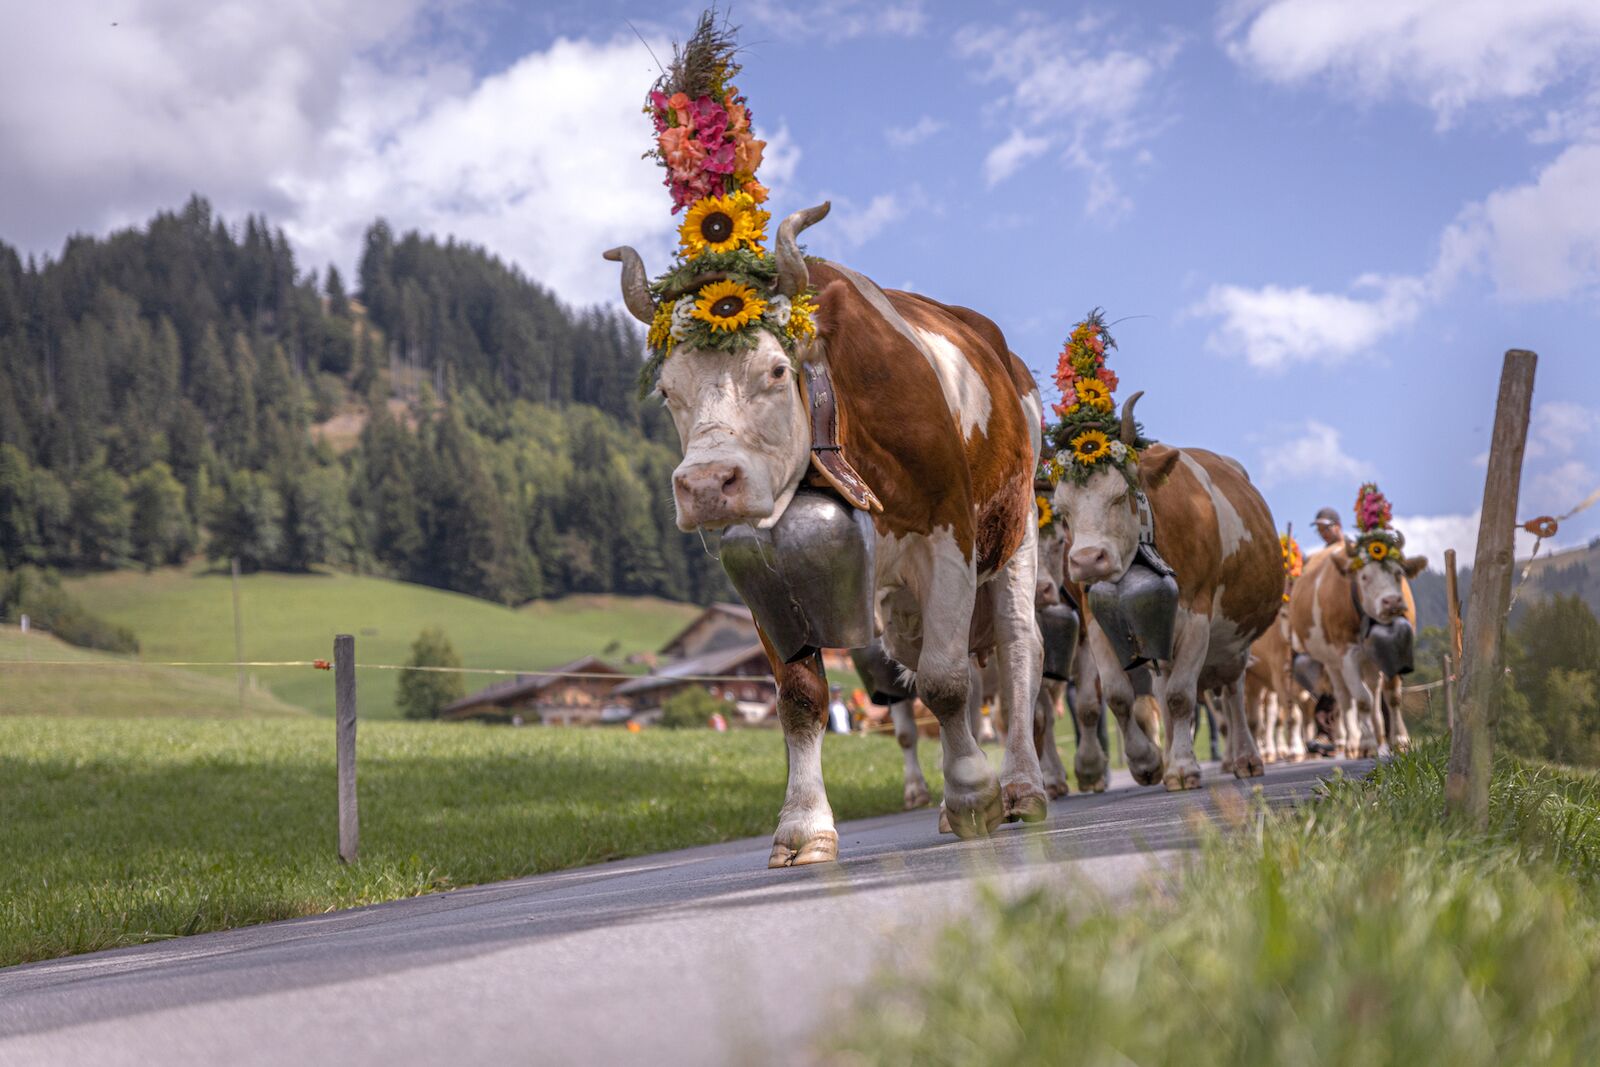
x: 1091, y: 762
x: 942, y: 422
x: 1326, y: 613
x: 1215, y: 530
x: 1273, y: 700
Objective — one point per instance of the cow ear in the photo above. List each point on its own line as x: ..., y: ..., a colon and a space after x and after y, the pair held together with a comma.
x: 832, y: 305
x: 1414, y: 565
x: 1155, y: 465
x: 1341, y: 561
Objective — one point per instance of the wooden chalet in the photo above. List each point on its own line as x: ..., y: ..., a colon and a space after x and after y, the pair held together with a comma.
x: 550, y: 699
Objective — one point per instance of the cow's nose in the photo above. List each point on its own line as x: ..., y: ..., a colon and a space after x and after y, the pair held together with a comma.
x: 1044, y: 593
x: 1391, y: 605
x: 1089, y: 564
x: 709, y: 493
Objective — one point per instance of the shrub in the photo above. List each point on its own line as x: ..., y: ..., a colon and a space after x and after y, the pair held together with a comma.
x: 423, y: 693
x: 691, y: 708
x: 38, y: 594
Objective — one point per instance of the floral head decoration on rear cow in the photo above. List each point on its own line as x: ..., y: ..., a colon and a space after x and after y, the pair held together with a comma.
x: 723, y: 287
x: 1090, y: 434
x: 1377, y: 542
x: 1293, y: 561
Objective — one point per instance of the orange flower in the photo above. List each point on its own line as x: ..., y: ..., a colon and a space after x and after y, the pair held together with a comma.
x: 681, y: 152
x: 755, y: 191
x: 679, y: 103
x: 738, y: 115
x: 747, y: 156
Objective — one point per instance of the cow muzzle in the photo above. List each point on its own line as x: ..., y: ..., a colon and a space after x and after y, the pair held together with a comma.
x: 1092, y: 563
x: 715, y: 494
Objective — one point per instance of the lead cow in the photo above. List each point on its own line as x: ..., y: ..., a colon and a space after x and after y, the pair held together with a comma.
x: 941, y: 420
x: 1214, y: 529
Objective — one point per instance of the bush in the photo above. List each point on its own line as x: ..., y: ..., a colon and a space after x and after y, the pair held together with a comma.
x: 38, y: 594
x: 691, y: 708
x: 423, y: 693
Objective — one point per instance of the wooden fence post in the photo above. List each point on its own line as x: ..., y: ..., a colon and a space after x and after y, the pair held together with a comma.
x: 1452, y: 659
x: 344, y: 689
x: 1467, y: 783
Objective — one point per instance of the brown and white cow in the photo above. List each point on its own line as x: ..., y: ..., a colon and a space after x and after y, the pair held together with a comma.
x: 1216, y: 531
x: 942, y: 422
x: 1273, y: 698
x: 1325, y: 615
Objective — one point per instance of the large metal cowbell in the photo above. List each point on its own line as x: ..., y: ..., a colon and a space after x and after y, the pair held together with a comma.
x: 1138, y: 612
x: 809, y: 579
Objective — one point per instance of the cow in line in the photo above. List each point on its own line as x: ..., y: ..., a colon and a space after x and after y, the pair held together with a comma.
x: 942, y: 421
x: 1273, y: 697
x: 1215, y: 530
x: 1327, y: 610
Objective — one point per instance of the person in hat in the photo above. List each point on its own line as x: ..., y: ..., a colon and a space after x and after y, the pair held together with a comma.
x: 1327, y: 524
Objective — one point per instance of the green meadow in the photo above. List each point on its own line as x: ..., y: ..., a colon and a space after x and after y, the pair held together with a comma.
x: 187, y: 615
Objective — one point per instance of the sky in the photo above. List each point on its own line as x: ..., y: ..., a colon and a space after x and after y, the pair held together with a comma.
x: 1317, y: 224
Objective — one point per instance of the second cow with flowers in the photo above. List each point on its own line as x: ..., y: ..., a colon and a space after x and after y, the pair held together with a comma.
x: 1181, y: 558
x: 790, y: 377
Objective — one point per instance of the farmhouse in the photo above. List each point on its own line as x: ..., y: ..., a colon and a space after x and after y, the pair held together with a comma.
x: 749, y: 686
x: 549, y: 698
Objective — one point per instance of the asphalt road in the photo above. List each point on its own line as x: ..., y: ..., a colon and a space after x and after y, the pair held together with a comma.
x: 697, y: 957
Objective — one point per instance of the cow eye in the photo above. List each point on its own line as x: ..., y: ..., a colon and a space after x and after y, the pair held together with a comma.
x: 778, y: 371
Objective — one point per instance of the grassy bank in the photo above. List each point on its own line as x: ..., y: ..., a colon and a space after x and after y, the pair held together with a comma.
x: 118, y: 832
x: 187, y: 614
x: 1360, y: 930
x: 116, y: 686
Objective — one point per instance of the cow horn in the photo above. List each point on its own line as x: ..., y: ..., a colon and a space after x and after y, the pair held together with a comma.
x: 635, y: 283
x: 1129, y: 433
x: 792, y: 277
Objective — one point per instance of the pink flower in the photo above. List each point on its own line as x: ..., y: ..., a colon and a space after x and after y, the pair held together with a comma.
x: 710, y: 120
x: 1109, y: 377
x: 658, y: 110
x: 719, y: 160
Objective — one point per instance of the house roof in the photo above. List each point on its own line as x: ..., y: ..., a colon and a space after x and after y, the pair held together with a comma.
x: 711, y: 664
x: 737, y: 612
x: 526, y: 685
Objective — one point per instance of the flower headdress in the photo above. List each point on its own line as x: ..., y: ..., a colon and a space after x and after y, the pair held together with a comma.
x: 1378, y: 541
x: 1293, y: 561
x: 724, y: 287
x: 1090, y: 434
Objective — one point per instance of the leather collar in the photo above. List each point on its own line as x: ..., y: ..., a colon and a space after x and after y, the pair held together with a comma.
x: 827, y: 454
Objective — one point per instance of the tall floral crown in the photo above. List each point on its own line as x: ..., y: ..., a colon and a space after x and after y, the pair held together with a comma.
x: 723, y: 287
x: 1378, y: 541
x: 1090, y: 434
x: 1293, y: 561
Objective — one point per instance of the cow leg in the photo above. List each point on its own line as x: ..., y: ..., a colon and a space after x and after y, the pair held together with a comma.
x: 1145, y: 761
x: 1400, y: 740
x: 1044, y: 738
x: 1090, y: 762
x: 805, y: 823
x: 1294, y: 727
x: 972, y: 805
x: 1179, y: 698
x: 1020, y: 655
x: 1246, y: 760
x: 1355, y: 708
x: 903, y: 714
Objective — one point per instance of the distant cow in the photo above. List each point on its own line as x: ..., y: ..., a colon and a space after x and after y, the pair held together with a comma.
x: 942, y: 422
x: 1273, y: 702
x: 1326, y: 613
x: 1214, y: 529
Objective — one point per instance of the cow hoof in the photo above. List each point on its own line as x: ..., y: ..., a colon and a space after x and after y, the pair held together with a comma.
x: 1225, y: 765
x: 1098, y: 785
x: 1248, y: 767
x: 1056, y: 788
x: 1368, y: 750
x: 1182, y: 776
x: 1149, y: 774
x: 917, y: 796
x: 944, y: 821
x: 1025, y: 802
x: 823, y: 847
x: 1402, y: 744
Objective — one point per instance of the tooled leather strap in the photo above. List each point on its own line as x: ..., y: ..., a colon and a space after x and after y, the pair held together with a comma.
x: 827, y: 457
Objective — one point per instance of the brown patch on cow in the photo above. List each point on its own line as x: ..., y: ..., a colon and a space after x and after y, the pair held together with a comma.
x: 1189, y: 538
x: 900, y: 434
x: 802, y: 687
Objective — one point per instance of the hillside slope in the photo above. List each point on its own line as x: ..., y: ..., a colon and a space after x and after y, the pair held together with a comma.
x: 127, y: 690
x: 187, y: 614
x: 1570, y: 571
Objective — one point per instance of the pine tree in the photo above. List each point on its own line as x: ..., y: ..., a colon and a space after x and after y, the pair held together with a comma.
x: 161, y: 529
x: 422, y: 694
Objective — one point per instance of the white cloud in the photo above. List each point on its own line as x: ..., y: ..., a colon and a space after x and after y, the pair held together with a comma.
x: 851, y: 224
x: 1274, y: 327
x: 1006, y: 157
x: 834, y: 20
x: 1315, y: 453
x: 1559, y: 427
x: 1560, y: 489
x: 919, y: 131
x: 1445, y: 54
x: 1076, y: 87
x: 1430, y: 535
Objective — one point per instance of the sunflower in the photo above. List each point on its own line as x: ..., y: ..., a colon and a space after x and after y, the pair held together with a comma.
x: 1378, y: 550
x: 729, y: 306
x: 660, y: 338
x: 1090, y: 447
x: 1092, y: 393
x: 802, y: 317
x: 722, y: 224
x: 1046, y: 516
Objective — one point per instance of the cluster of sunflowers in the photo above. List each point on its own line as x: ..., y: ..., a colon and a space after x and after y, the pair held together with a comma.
x: 1378, y: 541
x: 721, y: 288
x: 1087, y: 435
x: 1293, y: 561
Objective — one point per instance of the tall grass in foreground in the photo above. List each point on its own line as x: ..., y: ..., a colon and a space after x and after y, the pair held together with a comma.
x: 1361, y: 929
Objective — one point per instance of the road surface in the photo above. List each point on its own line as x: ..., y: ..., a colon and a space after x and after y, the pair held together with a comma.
x: 696, y: 957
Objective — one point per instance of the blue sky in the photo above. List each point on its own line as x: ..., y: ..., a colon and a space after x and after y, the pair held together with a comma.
x: 1324, y: 220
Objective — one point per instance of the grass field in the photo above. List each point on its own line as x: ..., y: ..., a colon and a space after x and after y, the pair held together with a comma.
x: 1362, y: 930
x: 187, y: 614
x: 128, y: 689
x: 117, y: 832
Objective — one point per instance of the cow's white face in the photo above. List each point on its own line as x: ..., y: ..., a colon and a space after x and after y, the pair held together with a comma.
x: 746, y: 439
x: 1379, y: 586
x: 1051, y: 565
x: 1102, y: 520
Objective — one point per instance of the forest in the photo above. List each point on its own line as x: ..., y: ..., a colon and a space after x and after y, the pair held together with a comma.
x: 186, y: 387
